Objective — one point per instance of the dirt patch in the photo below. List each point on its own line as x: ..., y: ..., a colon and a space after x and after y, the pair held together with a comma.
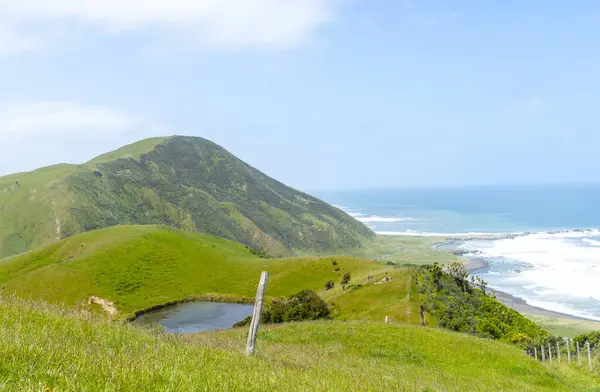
x: 56, y: 220
x: 107, y: 306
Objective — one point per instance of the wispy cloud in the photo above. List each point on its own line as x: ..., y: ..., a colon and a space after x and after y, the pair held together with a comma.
x: 218, y: 23
x: 39, y: 134
x: 532, y: 105
x: 38, y: 121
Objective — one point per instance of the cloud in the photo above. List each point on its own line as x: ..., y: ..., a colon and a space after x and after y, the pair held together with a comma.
x: 38, y: 121
x: 39, y: 134
x: 532, y: 105
x: 220, y: 23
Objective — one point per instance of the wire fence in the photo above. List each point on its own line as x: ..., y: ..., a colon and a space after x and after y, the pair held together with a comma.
x: 566, y: 350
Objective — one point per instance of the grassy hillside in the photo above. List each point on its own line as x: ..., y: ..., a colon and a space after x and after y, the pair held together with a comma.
x: 138, y: 267
x: 45, y: 347
x: 31, y: 204
x: 183, y: 182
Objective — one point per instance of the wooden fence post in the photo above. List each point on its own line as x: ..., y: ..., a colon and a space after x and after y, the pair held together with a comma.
x: 578, y: 355
x: 543, y: 354
x: 258, y: 305
x: 569, y: 349
x: 558, y: 350
x: 535, y: 350
x: 387, y: 319
x: 550, y: 351
x: 590, y: 356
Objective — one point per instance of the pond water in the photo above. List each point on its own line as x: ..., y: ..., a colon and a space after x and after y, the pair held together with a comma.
x: 193, y: 317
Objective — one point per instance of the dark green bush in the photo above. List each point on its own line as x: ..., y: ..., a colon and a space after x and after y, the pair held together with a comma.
x: 305, y: 305
x: 593, y: 338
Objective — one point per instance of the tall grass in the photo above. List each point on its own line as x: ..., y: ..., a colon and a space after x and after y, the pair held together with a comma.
x: 47, y: 347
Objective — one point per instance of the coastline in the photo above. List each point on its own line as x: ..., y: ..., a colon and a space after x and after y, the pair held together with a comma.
x: 521, y: 306
x: 473, y: 266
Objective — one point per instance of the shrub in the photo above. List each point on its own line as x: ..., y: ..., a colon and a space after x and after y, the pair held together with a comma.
x: 346, y: 279
x: 302, y: 306
x: 329, y: 285
x: 305, y: 305
x: 593, y: 338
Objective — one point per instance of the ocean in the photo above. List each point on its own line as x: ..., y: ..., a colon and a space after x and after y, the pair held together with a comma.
x: 553, y: 262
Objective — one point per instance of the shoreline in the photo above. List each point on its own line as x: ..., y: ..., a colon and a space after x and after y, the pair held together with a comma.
x: 517, y: 303
x: 473, y: 266
x: 521, y: 306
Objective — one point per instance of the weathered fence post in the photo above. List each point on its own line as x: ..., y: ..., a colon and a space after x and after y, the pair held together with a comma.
x: 387, y: 319
x: 260, y: 295
x: 535, y: 350
x: 550, y: 351
x: 578, y: 355
x: 590, y: 356
x: 569, y: 349
x: 543, y: 354
x: 558, y: 350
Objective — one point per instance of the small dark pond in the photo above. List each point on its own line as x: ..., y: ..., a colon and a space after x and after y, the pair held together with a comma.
x: 193, y: 317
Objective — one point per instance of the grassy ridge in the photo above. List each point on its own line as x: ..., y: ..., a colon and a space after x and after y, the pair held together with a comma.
x: 74, y: 351
x: 138, y: 267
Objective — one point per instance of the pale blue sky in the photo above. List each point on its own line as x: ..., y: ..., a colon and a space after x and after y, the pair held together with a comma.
x: 321, y: 94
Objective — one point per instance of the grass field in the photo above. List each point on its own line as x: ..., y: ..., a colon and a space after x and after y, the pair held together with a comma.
x: 48, y: 348
x: 404, y: 250
x: 138, y: 267
x: 565, y: 327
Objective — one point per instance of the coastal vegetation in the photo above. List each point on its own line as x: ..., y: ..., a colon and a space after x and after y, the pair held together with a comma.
x: 464, y: 305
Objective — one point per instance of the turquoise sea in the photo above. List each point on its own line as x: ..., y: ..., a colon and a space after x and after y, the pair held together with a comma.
x: 554, y: 262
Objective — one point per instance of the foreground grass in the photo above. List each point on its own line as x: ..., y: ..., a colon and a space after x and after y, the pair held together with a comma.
x: 45, y: 346
x: 138, y: 267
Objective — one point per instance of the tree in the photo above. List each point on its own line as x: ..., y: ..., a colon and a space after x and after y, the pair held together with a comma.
x: 460, y: 274
x: 478, y: 281
x: 436, y: 274
x: 346, y: 280
x: 329, y: 285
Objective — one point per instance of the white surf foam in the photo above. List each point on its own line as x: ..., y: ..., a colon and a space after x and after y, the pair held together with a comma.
x: 414, y: 233
x: 379, y: 219
x: 559, y: 273
x: 591, y: 242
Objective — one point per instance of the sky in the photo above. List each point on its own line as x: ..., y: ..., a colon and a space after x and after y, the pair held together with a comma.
x: 320, y: 94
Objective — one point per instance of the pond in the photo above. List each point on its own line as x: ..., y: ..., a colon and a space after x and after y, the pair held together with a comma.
x: 193, y: 317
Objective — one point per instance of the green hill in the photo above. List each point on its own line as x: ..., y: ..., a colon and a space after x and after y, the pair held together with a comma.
x: 48, y: 348
x: 138, y: 267
x: 183, y: 182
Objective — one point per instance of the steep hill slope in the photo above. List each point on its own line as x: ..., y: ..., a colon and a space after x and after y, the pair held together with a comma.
x: 183, y: 182
x: 88, y: 354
